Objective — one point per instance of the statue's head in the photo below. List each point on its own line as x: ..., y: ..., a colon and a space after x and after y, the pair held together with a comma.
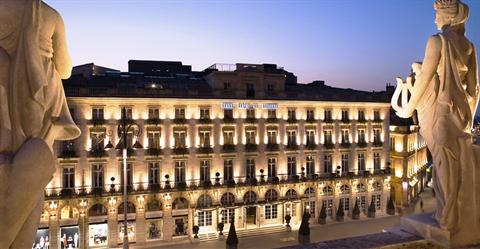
x: 450, y: 13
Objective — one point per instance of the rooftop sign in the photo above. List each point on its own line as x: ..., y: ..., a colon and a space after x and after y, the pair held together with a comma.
x: 231, y: 106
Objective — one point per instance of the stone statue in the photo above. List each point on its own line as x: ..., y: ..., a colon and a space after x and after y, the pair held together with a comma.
x: 33, y: 112
x: 445, y: 94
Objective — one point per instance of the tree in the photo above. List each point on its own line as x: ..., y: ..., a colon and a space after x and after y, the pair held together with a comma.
x: 304, y: 230
x: 340, y: 211
x: 356, y: 212
x: 322, y: 218
x: 232, y: 239
x: 390, y: 207
x: 371, y: 209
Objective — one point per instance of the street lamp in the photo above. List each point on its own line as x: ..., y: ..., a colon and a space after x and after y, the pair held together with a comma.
x: 122, y: 130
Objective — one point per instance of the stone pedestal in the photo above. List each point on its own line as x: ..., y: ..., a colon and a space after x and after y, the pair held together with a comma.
x: 426, y: 226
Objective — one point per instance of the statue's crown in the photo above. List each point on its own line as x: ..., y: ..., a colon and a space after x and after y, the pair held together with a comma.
x: 446, y: 4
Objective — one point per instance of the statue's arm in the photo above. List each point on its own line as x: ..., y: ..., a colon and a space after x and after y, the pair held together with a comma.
x: 61, y: 57
x: 428, y: 70
x: 473, y: 86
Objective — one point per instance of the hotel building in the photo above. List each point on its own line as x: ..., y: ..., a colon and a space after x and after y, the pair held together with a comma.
x: 243, y: 141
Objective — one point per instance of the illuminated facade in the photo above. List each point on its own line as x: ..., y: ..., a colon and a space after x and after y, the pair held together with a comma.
x: 409, y: 160
x: 243, y: 141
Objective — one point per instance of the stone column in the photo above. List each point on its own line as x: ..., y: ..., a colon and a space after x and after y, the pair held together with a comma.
x: 168, y: 223
x: 54, y: 231
x: 141, y: 228
x: 112, y: 229
x: 83, y: 232
x: 261, y: 215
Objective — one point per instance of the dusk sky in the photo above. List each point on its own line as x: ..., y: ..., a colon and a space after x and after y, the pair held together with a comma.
x: 362, y: 44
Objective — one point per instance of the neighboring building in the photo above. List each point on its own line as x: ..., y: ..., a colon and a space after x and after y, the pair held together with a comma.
x: 243, y: 141
x: 410, y: 161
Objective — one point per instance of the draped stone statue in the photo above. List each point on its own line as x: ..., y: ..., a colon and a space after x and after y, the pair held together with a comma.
x: 445, y: 92
x: 33, y: 113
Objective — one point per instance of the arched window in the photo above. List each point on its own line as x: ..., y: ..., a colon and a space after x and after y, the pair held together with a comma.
x: 154, y: 205
x: 130, y: 208
x: 68, y: 212
x: 361, y: 188
x: 227, y: 199
x: 97, y: 210
x: 271, y: 195
x: 377, y: 186
x: 345, y: 189
x: 250, y: 197
x: 291, y: 194
x: 180, y: 203
x: 327, y: 190
x: 309, y: 192
x: 204, y: 201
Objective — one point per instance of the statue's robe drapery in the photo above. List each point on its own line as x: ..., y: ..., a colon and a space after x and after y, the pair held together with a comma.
x: 33, y: 108
x: 445, y: 115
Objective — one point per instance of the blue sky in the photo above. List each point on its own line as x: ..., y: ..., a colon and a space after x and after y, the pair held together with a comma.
x: 348, y: 43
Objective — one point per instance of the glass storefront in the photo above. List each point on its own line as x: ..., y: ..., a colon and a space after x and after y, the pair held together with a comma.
x: 154, y: 227
x: 181, y: 224
x: 41, y: 240
x: 130, y: 231
x: 69, y: 237
x: 98, y: 234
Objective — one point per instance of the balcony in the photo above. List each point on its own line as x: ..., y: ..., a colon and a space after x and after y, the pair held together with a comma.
x: 97, y: 191
x: 310, y: 120
x: 128, y: 121
x: 377, y: 144
x: 328, y: 120
x: 345, y: 144
x: 153, y: 121
x: 362, y: 144
x: 273, y: 180
x: 310, y: 146
x: 272, y: 120
x: 251, y: 147
x: 130, y: 152
x: 180, y: 150
x: 97, y: 121
x: 179, y: 120
x: 361, y: 120
x: 97, y: 153
x: 204, y: 121
x: 251, y: 120
x: 329, y: 146
x: 292, y: 146
x: 67, y: 153
x: 205, y: 150
x: 228, y: 120
x: 153, y: 152
x: 228, y: 148
x: 292, y: 120
x: 345, y: 120
x: 272, y: 147
x: 377, y: 120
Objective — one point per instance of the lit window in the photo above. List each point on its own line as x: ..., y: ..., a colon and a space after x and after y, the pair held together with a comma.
x: 68, y: 175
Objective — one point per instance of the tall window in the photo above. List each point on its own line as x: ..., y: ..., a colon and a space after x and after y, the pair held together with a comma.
x: 345, y: 116
x: 361, y: 136
x: 376, y: 115
x: 345, y: 203
x: 204, y: 138
x: 272, y: 136
x: 96, y: 139
x: 250, y: 170
x: 227, y: 215
x: 128, y: 112
x: 291, y: 137
x: 227, y: 85
x: 328, y: 115
x: 179, y: 171
x: 129, y: 174
x: 328, y: 136
x: 392, y: 143
x: 153, y: 139
x: 345, y: 137
x: 327, y: 163
x: 204, y: 113
x: 377, y: 200
x: 310, y: 114
x: 204, y: 170
x: 345, y: 163
x: 180, y: 138
x: 153, y: 173
x: 271, y: 212
x: 228, y: 137
x: 250, y: 136
x: 361, y: 115
x: 68, y: 175
x: 361, y: 161
x: 250, y: 90
x: 179, y: 113
x: 291, y: 166
x: 272, y: 114
x: 153, y: 113
x: 251, y: 113
x: 310, y: 165
x: 376, y: 161
x: 310, y: 137
x: 204, y: 218
x: 328, y: 206
x: 97, y: 113
x: 291, y: 114
x: 272, y: 167
x: 97, y: 175
x: 376, y: 136
x: 227, y: 169
x: 310, y: 207
x: 228, y: 114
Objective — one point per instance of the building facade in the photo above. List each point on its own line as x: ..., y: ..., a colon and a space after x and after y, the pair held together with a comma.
x: 410, y: 160
x: 240, y: 142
